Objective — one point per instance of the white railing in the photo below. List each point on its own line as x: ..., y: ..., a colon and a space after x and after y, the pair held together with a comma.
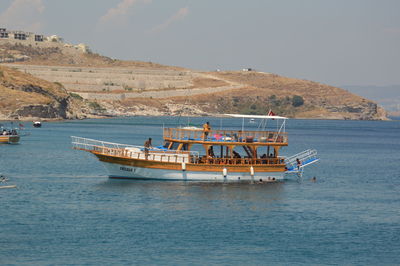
x: 305, y: 158
x: 92, y: 144
x: 132, y: 151
x: 225, y: 135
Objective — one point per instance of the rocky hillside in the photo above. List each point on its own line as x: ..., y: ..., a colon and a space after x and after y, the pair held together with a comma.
x: 25, y: 97
x: 295, y: 98
x: 105, y: 86
x: 289, y: 101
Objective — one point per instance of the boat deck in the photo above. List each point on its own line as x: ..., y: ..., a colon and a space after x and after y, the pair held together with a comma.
x: 163, y: 155
x: 231, y: 137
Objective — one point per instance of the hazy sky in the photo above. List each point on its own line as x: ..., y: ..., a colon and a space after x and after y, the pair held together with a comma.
x: 338, y: 42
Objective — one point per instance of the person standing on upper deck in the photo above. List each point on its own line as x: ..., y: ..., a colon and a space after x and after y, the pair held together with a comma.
x: 207, y: 129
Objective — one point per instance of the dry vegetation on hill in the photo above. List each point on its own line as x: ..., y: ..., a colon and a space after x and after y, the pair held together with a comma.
x: 63, y: 56
x: 98, y: 84
x: 23, y: 96
x: 279, y: 93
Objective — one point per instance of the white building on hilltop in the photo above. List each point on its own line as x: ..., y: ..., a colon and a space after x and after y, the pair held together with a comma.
x: 30, y: 38
x: 55, y: 38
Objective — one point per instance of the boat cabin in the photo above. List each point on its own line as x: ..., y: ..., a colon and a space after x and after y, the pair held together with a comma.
x: 242, y: 146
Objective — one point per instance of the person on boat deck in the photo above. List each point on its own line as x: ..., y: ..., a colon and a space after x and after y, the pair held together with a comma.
x: 147, y: 146
x: 207, y: 129
x: 264, y: 157
x: 298, y: 163
x: 236, y: 154
x: 211, y: 152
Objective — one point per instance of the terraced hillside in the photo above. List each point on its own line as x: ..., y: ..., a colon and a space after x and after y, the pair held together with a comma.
x: 117, y: 87
x: 121, y: 83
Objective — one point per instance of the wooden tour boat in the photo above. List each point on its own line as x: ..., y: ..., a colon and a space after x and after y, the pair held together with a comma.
x: 178, y: 159
x: 9, y: 136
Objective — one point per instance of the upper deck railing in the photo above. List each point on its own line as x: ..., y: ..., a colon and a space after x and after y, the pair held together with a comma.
x: 230, y: 136
x: 132, y: 151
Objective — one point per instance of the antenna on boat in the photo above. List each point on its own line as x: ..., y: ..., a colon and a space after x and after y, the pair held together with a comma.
x: 263, y: 124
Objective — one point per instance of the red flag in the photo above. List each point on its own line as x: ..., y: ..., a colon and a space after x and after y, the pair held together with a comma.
x: 271, y: 113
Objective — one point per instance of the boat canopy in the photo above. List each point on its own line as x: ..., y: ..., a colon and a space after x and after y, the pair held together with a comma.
x: 264, y: 118
x: 257, y: 116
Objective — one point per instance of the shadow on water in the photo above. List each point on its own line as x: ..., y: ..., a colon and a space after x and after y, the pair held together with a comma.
x: 181, y: 193
x: 244, y: 185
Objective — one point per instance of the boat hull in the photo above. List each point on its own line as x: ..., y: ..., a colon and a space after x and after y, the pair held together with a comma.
x: 9, y: 139
x: 116, y: 170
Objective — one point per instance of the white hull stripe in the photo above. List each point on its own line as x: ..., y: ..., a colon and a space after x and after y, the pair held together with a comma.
x: 129, y: 172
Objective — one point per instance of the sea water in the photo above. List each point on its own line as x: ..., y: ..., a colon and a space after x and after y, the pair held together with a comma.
x: 65, y: 210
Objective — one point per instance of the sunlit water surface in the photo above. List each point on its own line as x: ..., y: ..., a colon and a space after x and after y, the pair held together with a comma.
x: 65, y: 210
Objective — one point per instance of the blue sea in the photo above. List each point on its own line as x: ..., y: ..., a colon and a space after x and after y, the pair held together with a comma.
x: 66, y: 211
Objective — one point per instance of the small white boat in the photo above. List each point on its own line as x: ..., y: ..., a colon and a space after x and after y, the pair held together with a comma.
x: 37, y: 124
x: 10, y: 186
x: 3, y: 182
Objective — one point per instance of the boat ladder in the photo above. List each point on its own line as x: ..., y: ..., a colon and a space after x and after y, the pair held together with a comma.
x: 306, y: 158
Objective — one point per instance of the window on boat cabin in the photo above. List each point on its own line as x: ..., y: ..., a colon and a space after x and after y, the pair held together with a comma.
x: 166, y: 144
x: 185, y: 147
x: 174, y: 145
